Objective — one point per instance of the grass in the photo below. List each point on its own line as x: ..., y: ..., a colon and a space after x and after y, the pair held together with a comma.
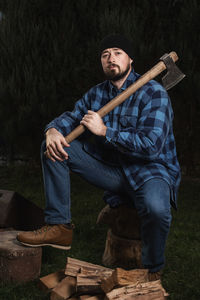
x: 182, y: 271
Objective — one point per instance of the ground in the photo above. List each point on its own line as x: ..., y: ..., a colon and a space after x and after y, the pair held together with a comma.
x: 182, y: 272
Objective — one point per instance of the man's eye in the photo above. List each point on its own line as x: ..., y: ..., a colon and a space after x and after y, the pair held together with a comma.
x: 118, y: 53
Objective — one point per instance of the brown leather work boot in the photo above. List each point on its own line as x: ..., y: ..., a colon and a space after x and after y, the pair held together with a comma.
x: 58, y: 236
x: 154, y: 276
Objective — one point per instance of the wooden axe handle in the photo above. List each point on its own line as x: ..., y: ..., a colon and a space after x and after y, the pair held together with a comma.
x: 152, y: 73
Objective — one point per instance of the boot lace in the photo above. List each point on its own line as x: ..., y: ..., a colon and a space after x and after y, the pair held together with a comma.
x: 43, y: 229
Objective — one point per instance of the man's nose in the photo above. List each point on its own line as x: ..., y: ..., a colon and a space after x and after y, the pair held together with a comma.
x: 111, y: 58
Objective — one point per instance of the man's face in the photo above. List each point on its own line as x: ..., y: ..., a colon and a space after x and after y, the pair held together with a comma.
x: 116, y: 63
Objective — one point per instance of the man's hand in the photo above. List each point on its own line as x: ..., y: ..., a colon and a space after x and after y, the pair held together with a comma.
x: 55, y: 142
x: 94, y: 123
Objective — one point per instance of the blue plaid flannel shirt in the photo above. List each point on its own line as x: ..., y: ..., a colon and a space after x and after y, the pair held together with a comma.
x: 139, y: 133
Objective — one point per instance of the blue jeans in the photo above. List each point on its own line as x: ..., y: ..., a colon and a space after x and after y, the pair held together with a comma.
x: 152, y: 200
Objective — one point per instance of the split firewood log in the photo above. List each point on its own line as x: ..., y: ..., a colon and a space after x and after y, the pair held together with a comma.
x: 76, y: 266
x: 122, y: 277
x: 48, y: 282
x: 95, y: 282
x: 152, y: 290
x: 88, y: 283
x: 64, y: 289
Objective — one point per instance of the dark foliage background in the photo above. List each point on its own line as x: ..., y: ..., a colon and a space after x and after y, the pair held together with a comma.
x: 49, y: 58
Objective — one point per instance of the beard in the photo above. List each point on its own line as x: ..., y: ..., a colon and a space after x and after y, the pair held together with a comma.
x: 113, y: 76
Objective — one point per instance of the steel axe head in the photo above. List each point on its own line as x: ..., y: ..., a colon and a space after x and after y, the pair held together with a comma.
x: 174, y: 74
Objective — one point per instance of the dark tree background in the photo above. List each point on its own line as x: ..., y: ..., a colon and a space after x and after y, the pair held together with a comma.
x: 49, y: 58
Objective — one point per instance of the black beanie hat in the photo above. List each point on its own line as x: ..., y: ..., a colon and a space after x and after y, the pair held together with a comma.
x: 117, y: 41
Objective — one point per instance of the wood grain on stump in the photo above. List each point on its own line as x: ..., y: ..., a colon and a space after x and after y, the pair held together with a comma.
x: 123, y: 243
x: 17, y: 262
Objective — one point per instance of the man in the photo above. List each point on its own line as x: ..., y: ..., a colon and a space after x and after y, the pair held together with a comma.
x: 132, y: 156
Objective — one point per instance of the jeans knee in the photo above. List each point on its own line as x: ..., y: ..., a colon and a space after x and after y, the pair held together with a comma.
x: 160, y: 215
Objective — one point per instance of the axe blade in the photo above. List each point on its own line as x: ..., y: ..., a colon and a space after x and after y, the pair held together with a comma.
x: 174, y: 74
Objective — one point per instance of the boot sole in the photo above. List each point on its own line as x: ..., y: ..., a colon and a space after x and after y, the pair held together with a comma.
x: 51, y: 245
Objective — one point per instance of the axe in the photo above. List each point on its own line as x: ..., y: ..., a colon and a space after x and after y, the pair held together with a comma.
x: 173, y: 76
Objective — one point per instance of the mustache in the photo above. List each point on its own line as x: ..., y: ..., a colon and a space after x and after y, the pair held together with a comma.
x: 113, y: 65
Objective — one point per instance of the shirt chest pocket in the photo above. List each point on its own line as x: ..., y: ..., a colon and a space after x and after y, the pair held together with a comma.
x: 127, y: 121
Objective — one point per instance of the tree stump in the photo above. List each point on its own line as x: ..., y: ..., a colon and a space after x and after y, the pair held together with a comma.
x: 123, y: 243
x: 17, y: 262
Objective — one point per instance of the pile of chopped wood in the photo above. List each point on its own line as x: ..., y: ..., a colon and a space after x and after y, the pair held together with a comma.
x: 82, y: 280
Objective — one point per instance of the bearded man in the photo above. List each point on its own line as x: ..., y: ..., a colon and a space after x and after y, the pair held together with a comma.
x: 132, y: 156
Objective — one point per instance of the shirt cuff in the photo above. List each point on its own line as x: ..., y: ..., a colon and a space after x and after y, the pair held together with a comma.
x: 111, y: 134
x: 53, y: 126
